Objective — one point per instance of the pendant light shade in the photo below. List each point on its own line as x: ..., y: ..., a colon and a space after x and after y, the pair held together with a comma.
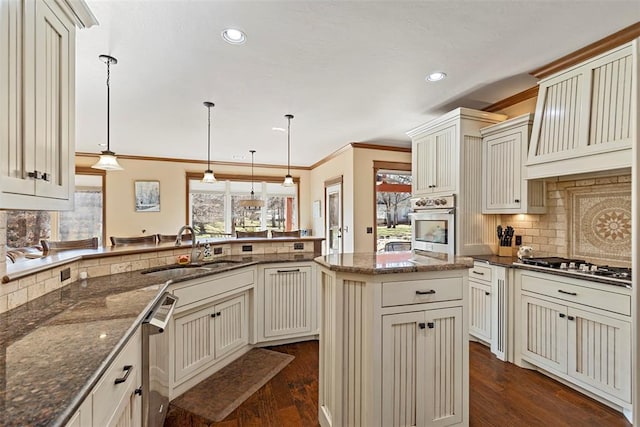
x: 209, y: 177
x: 108, y: 160
x: 288, y: 179
x: 252, y: 204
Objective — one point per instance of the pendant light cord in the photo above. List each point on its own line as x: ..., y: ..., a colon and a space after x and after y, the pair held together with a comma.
x: 209, y: 139
x: 252, y: 153
x: 108, y: 103
x: 289, y: 117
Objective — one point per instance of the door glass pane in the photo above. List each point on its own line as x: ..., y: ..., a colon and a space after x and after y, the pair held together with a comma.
x: 334, y: 221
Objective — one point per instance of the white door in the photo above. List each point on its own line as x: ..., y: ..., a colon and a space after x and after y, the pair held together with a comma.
x: 333, y: 202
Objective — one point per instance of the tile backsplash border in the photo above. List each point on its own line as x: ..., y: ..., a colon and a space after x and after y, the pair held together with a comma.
x: 28, y: 288
x: 549, y: 234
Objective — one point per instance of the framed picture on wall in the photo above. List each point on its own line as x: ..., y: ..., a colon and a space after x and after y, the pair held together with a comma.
x: 147, y: 196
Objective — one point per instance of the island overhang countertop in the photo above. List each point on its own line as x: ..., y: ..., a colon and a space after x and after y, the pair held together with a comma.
x: 392, y: 262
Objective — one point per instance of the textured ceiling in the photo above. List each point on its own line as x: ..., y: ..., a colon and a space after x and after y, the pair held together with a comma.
x: 350, y: 71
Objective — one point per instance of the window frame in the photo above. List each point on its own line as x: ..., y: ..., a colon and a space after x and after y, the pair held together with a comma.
x: 257, y: 179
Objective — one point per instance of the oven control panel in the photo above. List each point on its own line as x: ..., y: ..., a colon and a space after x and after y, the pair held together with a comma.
x: 422, y: 203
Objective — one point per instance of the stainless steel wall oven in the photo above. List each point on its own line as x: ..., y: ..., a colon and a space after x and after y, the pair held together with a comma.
x: 433, y: 224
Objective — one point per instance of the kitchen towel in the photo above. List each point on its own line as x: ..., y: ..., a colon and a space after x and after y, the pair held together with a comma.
x: 217, y: 396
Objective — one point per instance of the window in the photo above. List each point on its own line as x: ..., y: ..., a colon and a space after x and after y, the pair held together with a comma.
x: 27, y: 228
x: 215, y: 211
x: 393, y: 204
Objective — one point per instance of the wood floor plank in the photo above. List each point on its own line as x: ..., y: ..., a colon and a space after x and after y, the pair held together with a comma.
x: 501, y: 394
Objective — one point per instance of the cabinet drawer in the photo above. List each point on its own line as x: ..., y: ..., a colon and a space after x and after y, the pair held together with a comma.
x: 480, y: 272
x: 213, y: 286
x: 610, y: 301
x: 107, y: 395
x: 421, y: 291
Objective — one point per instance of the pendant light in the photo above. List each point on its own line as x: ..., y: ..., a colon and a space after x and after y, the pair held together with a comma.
x: 108, y: 160
x: 209, y: 177
x: 288, y: 179
x: 252, y: 204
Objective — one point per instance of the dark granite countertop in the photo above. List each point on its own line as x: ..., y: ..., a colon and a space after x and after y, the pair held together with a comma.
x: 502, y: 261
x: 54, y: 349
x: 391, y: 262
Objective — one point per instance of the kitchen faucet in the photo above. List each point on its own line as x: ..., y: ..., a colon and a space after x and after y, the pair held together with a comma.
x: 195, y: 253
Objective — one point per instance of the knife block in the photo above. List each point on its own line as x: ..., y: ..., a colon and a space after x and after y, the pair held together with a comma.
x: 505, y: 251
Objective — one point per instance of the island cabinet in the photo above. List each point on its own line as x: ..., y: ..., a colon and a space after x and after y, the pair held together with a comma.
x: 579, y: 331
x: 287, y: 298
x: 210, y: 326
x: 37, y: 116
x: 393, y: 349
x: 584, y: 116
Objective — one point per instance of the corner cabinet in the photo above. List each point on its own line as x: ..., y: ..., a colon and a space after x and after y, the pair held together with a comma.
x: 578, y: 330
x: 37, y: 120
x: 584, y: 116
x: 504, y: 154
x: 446, y: 160
x: 393, y: 349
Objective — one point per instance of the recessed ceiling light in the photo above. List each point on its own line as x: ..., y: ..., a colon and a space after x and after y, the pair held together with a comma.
x: 102, y: 145
x: 234, y: 36
x: 279, y: 129
x: 436, y: 76
x: 238, y: 157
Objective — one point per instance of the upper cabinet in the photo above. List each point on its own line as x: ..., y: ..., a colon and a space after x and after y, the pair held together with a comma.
x: 37, y: 121
x: 584, y: 116
x: 504, y: 153
x: 437, y: 149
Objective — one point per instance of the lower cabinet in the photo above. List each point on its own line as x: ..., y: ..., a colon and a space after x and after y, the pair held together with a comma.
x: 209, y: 333
x: 422, y: 376
x: 480, y: 310
x: 579, y: 331
x: 288, y: 301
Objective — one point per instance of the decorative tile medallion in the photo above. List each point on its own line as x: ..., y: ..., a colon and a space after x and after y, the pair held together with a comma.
x: 600, y: 223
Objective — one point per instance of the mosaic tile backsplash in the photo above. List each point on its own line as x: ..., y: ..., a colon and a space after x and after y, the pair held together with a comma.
x: 587, y: 218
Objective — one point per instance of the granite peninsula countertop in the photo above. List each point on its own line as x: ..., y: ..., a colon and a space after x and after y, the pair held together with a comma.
x: 391, y: 262
x: 54, y: 349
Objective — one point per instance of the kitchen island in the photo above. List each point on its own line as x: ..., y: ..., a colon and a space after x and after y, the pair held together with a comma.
x: 393, y: 340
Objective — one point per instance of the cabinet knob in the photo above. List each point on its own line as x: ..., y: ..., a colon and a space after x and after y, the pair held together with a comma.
x: 138, y: 391
x: 571, y: 318
x: 218, y: 313
x: 213, y: 315
x: 562, y: 315
x: 431, y: 325
x: 487, y: 293
x: 517, y: 201
x: 422, y: 325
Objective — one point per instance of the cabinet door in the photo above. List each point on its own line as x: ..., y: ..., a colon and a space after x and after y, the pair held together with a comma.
x: 194, y: 340
x: 13, y: 34
x: 287, y: 301
x: 544, y: 333
x: 600, y: 352
x: 443, y: 367
x: 129, y: 413
x: 231, y: 325
x: 502, y: 172
x: 443, y: 160
x: 403, y: 359
x: 54, y: 50
x: 480, y: 310
x: 423, y: 171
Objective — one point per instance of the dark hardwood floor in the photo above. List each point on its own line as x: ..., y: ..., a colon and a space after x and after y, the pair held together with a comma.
x: 501, y: 394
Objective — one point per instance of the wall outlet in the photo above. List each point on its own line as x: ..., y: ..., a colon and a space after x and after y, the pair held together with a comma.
x: 65, y: 274
x: 369, y: 230
x: 217, y: 251
x: 518, y: 240
x: 247, y: 248
x: 298, y: 246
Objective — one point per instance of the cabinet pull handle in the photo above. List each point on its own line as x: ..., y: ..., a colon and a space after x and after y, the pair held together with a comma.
x: 567, y: 293
x: 431, y: 325
x: 127, y: 370
x: 295, y: 270
x: 480, y: 273
x: 487, y: 293
x: 422, y: 325
x: 34, y: 175
x: 429, y: 292
x: 571, y: 318
x: 562, y: 315
x: 218, y: 314
x: 46, y: 177
x: 138, y: 391
x: 516, y: 201
x: 213, y: 315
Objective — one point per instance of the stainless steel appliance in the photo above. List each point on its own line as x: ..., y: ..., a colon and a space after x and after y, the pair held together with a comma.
x: 579, y: 267
x: 155, y: 361
x: 433, y: 224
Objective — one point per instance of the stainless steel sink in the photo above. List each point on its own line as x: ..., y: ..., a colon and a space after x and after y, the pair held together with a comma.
x: 178, y: 272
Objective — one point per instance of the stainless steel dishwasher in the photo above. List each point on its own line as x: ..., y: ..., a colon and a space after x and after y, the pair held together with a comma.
x: 155, y: 361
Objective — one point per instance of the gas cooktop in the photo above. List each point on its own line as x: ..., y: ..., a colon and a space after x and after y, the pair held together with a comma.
x: 581, y: 268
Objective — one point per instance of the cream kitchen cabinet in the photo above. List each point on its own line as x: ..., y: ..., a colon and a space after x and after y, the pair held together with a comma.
x: 287, y: 306
x: 423, y: 369
x: 393, y: 349
x: 37, y: 121
x: 579, y: 331
x: 584, y: 117
x: 433, y: 160
x: 504, y: 154
x: 480, y: 310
